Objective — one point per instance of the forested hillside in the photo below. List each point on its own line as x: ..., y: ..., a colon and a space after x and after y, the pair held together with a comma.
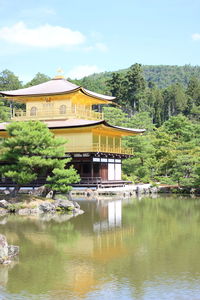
x: 162, y: 76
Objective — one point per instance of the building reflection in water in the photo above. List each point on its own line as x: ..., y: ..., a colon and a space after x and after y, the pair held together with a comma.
x: 110, y: 216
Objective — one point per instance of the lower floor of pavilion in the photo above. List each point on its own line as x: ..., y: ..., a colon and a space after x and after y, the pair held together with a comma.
x: 95, y: 170
x: 98, y: 169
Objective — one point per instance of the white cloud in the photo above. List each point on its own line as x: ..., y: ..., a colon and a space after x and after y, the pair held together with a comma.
x: 45, y: 36
x: 82, y: 71
x: 196, y: 36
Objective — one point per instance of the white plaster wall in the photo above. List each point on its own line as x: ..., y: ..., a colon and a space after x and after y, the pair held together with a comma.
x: 118, y: 171
x: 111, y: 172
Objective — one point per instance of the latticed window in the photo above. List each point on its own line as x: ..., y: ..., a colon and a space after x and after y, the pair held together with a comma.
x: 33, y: 111
x: 63, y: 109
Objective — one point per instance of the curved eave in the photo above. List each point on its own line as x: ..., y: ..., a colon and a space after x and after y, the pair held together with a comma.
x: 138, y: 131
x: 97, y: 96
x: 130, y: 131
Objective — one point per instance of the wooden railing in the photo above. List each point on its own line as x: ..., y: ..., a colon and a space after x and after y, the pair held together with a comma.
x: 90, y: 180
x: 100, y: 148
x: 47, y: 114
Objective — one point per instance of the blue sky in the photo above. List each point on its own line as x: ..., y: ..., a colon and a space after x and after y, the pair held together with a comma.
x: 83, y: 37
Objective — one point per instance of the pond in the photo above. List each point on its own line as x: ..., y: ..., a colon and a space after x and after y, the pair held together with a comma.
x: 144, y: 248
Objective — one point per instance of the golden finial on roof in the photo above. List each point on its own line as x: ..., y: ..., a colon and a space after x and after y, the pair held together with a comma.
x: 60, y: 74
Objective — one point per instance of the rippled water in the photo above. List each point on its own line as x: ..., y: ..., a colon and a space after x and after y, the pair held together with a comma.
x: 118, y: 249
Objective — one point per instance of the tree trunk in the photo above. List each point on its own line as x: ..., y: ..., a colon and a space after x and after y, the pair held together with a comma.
x: 15, y: 190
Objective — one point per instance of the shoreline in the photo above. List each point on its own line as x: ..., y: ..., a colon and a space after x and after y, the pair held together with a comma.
x: 135, y: 190
x: 27, y: 205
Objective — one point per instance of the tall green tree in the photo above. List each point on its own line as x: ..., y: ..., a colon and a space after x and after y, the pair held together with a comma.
x: 115, y: 116
x: 184, y: 149
x: 182, y: 129
x: 135, y: 87
x: 31, y: 151
x: 153, y: 104
x: 193, y: 90
x: 175, y: 100
x: 193, y: 93
x: 9, y: 81
x: 142, y: 165
x: 117, y: 88
x: 38, y: 78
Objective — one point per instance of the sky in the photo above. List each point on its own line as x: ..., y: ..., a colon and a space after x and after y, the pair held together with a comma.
x: 83, y: 37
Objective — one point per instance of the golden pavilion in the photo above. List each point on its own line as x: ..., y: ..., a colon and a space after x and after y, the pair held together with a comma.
x: 94, y: 145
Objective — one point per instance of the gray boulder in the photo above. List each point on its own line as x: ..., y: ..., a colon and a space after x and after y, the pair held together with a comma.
x: 47, y: 207
x: 153, y: 189
x: 7, y: 252
x: 64, y: 204
x: 4, y: 203
x: 6, y: 192
x: 50, y: 195
x: 40, y: 191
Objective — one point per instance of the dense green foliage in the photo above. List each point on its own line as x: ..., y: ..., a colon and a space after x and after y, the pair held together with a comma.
x: 169, y: 154
x: 136, y: 95
x: 31, y: 151
x: 4, y: 112
x: 61, y: 178
x: 9, y: 81
x: 39, y: 78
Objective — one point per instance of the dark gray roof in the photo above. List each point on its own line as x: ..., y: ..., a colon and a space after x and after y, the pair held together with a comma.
x: 53, y: 87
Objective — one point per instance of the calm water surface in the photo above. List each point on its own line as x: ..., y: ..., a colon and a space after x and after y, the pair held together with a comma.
x: 119, y: 249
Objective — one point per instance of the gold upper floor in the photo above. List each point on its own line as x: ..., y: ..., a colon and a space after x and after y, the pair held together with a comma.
x: 73, y: 105
x: 56, y: 113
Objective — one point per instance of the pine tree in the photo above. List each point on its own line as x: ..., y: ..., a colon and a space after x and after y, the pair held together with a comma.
x: 32, y: 151
x: 135, y: 87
